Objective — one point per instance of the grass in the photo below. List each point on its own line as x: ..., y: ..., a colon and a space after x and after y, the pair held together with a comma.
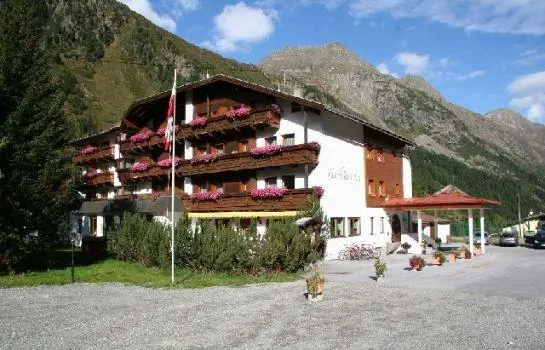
x: 114, y: 271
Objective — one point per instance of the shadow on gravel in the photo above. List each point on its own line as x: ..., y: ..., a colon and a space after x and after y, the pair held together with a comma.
x: 62, y: 258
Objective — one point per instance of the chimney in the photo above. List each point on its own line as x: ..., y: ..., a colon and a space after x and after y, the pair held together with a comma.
x: 298, y: 92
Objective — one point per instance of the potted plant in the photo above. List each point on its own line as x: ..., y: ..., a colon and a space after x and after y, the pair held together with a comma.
x: 452, y: 256
x: 315, y: 285
x: 465, y: 253
x: 380, y: 269
x: 416, y: 263
x: 405, y: 248
x: 438, y: 258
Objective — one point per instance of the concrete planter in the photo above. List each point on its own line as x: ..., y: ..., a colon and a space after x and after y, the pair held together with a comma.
x: 315, y: 297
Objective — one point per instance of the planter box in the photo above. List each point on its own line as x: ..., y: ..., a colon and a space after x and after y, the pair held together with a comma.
x: 315, y: 297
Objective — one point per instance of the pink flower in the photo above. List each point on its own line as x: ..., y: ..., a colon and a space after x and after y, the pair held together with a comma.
x: 88, y: 149
x: 90, y: 175
x: 266, y: 150
x: 161, y: 131
x: 275, y: 108
x: 141, y: 136
x: 315, y: 145
x: 200, y: 121
x: 318, y: 191
x: 165, y: 163
x: 239, y: 113
x: 268, y: 192
x: 139, y: 167
x: 205, y: 158
x: 206, y: 196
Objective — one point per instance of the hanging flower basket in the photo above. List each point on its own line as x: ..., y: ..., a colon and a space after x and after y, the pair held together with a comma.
x: 165, y: 163
x: 198, y: 122
x: 88, y: 149
x: 239, y: 113
x: 315, y: 145
x: 206, y: 196
x: 91, y: 175
x: 139, y: 167
x: 318, y: 191
x: 276, y: 109
x: 266, y: 150
x: 205, y: 158
x: 268, y: 192
x: 141, y: 136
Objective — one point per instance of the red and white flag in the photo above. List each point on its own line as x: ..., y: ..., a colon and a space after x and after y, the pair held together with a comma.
x: 170, y: 129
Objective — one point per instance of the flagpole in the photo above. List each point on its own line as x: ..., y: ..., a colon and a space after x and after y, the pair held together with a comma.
x: 172, y: 161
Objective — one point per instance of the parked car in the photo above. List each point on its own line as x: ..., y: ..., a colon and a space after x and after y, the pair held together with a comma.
x: 509, y: 239
x: 539, y: 239
x: 477, y: 238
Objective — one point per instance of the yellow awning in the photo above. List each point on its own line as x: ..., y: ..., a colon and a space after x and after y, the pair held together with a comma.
x: 243, y: 214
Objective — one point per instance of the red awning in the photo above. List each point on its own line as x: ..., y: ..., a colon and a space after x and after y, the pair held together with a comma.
x: 449, y: 197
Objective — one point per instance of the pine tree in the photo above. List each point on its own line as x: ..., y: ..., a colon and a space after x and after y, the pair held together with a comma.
x: 36, y: 189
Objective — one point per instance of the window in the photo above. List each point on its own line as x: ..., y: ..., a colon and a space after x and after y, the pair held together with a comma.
x: 217, y: 186
x: 295, y: 107
x: 371, y: 189
x: 381, y: 189
x: 270, y: 182
x: 370, y: 154
x: 243, y: 146
x: 380, y: 157
x: 397, y: 189
x: 270, y: 141
x: 337, y: 227
x: 381, y: 225
x: 355, y: 227
x: 288, y: 140
x: 288, y: 182
x: 219, y: 148
x: 202, y: 149
x: 372, y: 222
x: 93, y: 225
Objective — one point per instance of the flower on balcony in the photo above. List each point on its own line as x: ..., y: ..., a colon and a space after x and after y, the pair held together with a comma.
x: 239, y: 113
x: 161, y: 131
x: 268, y: 192
x: 141, y: 136
x: 88, y: 149
x: 318, y: 191
x: 266, y: 150
x: 315, y: 145
x: 90, y: 175
x: 200, y: 121
x: 204, y: 158
x: 140, y: 166
x: 165, y: 163
x: 276, y: 109
x: 206, y: 196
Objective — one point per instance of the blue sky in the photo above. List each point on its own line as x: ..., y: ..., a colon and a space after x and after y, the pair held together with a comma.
x: 481, y: 54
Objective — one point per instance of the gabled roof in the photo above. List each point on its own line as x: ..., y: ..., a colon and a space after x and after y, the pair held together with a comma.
x: 269, y: 91
x: 449, y: 197
x: 97, y: 135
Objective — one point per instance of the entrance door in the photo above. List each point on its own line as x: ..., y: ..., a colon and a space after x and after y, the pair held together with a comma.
x: 396, y: 228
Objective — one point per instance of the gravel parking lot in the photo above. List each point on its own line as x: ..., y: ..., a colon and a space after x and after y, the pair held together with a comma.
x: 408, y: 310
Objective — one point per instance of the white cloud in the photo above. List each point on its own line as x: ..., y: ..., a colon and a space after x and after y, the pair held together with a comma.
x: 238, y: 26
x: 472, y: 75
x: 413, y: 62
x: 189, y: 5
x: 528, y: 92
x: 144, y: 8
x: 384, y: 69
x: 490, y: 16
x: 529, y: 57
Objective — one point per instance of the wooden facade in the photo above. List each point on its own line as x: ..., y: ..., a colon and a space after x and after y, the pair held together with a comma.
x: 99, y: 154
x: 100, y: 179
x: 384, y: 175
x: 236, y: 202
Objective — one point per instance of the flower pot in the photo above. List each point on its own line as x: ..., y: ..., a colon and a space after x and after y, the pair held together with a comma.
x: 452, y: 258
x: 436, y: 261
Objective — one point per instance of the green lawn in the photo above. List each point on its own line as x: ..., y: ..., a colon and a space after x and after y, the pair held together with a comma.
x: 115, y: 271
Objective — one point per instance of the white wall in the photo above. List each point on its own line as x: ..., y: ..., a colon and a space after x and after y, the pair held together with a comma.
x: 142, y: 188
x: 407, y: 178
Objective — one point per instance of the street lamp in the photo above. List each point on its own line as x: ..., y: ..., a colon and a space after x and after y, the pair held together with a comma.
x: 75, y: 237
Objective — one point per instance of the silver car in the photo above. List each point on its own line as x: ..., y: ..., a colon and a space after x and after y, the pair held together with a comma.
x: 509, y: 239
x: 477, y: 238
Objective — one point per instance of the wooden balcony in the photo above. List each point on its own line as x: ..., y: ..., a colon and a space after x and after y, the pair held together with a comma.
x: 153, y: 172
x: 100, y: 153
x: 100, y: 179
x: 290, y: 155
x: 155, y: 141
x: 222, y: 124
x: 243, y: 201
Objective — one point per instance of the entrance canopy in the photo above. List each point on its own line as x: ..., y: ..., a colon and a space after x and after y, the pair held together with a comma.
x: 448, y: 198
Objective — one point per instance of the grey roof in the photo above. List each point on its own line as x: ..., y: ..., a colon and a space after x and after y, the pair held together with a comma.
x: 116, y: 207
x: 97, y: 135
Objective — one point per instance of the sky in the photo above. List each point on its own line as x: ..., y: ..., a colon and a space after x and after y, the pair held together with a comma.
x: 481, y: 54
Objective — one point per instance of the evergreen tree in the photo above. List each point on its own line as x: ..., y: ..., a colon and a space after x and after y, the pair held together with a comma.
x: 36, y: 175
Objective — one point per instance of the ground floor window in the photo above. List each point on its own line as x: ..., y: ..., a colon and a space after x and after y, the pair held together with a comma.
x: 381, y: 225
x: 372, y: 222
x: 355, y: 226
x: 93, y: 225
x: 337, y: 227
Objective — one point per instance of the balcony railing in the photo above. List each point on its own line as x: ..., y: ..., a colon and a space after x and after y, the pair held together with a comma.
x: 129, y: 146
x: 99, y: 153
x: 243, y: 201
x: 288, y: 155
x: 152, y: 172
x: 100, y: 179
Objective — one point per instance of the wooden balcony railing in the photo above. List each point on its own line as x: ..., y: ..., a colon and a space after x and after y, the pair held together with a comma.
x: 152, y: 172
x: 100, y: 153
x: 100, y: 179
x: 222, y: 124
x: 289, y: 155
x: 292, y: 200
x: 214, y: 125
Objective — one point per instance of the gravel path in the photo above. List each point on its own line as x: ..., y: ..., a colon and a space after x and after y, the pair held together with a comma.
x: 365, y: 315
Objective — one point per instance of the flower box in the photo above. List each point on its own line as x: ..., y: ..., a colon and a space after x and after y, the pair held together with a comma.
x: 140, y: 137
x: 197, y: 122
x: 266, y: 150
x: 139, y: 167
x: 205, y: 158
x: 268, y: 192
x: 239, y: 113
x: 88, y: 150
x: 206, y: 196
x: 165, y: 163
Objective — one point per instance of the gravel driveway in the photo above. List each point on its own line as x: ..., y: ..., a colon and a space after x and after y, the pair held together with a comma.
x: 354, y: 314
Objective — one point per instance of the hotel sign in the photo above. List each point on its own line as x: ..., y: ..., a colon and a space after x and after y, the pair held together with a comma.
x: 343, y: 175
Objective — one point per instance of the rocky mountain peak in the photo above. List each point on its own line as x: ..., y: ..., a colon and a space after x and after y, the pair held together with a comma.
x: 506, y: 116
x: 419, y: 83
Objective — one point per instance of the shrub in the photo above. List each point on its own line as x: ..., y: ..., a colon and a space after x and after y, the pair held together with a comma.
x: 380, y: 268
x: 417, y: 262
